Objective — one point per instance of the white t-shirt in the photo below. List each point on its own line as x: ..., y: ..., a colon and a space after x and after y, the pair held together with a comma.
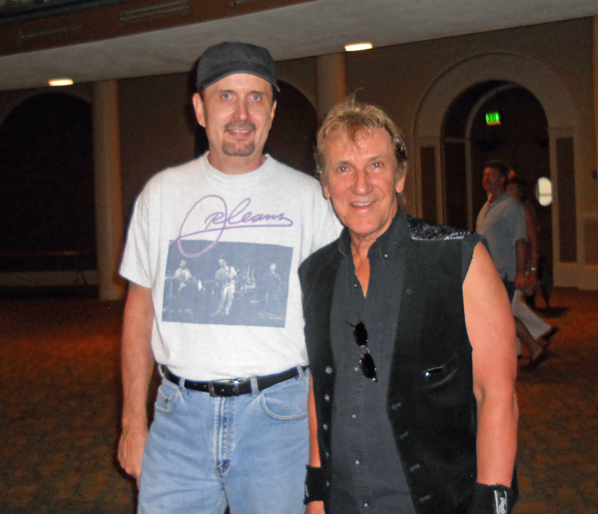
x: 242, y: 239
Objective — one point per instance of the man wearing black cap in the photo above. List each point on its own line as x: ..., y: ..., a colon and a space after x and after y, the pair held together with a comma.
x: 230, y: 423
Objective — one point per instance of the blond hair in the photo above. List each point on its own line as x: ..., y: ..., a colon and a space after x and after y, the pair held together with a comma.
x: 352, y: 118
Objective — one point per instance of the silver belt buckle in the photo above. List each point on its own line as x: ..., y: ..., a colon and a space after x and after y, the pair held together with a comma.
x: 233, y: 382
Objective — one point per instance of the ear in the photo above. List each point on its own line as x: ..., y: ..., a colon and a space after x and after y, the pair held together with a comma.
x: 200, y: 114
x: 326, y: 191
x: 400, y: 185
x: 272, y: 111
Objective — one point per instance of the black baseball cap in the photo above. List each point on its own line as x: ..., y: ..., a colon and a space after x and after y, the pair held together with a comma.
x: 226, y: 59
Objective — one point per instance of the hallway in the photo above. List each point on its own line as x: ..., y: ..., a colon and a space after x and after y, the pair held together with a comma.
x: 59, y: 411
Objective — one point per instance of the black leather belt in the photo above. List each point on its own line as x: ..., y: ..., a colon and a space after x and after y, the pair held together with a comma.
x: 233, y: 387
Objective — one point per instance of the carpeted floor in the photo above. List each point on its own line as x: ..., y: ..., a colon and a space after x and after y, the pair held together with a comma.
x: 59, y: 410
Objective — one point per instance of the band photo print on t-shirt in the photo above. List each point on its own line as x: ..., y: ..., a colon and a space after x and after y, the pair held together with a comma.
x: 227, y: 283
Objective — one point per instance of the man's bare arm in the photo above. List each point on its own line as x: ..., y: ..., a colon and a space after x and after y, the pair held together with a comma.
x: 534, y: 252
x: 492, y: 335
x: 521, y: 262
x: 137, y: 368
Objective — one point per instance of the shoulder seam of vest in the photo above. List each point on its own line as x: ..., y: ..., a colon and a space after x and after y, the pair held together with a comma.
x: 424, y: 231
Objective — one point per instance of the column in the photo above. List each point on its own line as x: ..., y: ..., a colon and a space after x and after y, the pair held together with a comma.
x: 108, y: 198
x: 331, y: 86
x: 595, y: 75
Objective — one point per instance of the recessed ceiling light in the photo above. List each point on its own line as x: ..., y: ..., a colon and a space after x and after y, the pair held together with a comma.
x: 358, y: 46
x: 61, y: 82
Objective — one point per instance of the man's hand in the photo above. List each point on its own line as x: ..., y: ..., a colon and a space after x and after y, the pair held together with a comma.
x: 130, y: 451
x: 520, y: 280
x: 315, y: 508
x: 532, y: 282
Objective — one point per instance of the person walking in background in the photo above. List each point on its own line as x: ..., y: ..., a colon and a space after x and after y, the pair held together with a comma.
x: 502, y: 221
x: 535, y: 333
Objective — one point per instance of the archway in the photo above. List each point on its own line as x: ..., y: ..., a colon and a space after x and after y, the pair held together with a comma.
x: 46, y: 184
x: 518, y: 136
x: 496, y: 70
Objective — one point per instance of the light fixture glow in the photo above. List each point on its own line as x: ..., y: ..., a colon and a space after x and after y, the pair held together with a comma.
x: 544, y: 191
x: 61, y: 82
x: 358, y: 46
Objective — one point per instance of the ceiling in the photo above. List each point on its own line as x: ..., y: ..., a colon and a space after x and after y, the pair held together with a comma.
x: 313, y: 28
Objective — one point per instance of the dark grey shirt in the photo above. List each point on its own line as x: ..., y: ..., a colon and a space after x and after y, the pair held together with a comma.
x: 367, y: 473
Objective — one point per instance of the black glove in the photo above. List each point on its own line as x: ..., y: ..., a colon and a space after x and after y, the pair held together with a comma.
x: 492, y: 499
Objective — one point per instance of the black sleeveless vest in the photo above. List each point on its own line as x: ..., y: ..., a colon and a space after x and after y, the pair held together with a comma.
x: 430, y: 401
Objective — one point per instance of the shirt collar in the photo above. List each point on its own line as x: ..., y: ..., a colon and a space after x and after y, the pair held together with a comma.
x: 386, y: 244
x: 505, y: 196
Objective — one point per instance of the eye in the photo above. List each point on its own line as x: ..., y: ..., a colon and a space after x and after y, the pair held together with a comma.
x: 226, y: 96
x: 256, y: 98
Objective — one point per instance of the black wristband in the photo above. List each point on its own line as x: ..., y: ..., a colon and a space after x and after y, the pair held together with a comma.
x: 315, y: 485
x: 492, y: 499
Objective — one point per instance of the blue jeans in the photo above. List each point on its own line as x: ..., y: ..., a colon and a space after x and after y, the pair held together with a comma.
x: 248, y: 452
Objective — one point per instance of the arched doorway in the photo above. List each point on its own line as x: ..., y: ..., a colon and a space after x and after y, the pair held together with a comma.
x: 562, y: 127
x: 293, y: 133
x: 47, y: 184
x: 495, y: 120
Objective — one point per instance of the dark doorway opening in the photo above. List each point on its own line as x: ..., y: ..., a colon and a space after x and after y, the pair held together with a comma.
x: 47, y: 186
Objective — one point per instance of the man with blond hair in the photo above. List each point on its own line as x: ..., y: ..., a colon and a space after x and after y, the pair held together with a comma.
x: 411, y: 345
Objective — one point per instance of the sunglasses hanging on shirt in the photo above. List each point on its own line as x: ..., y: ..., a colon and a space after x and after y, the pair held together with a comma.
x: 366, y: 362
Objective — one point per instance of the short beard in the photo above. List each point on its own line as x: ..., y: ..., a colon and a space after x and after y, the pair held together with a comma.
x: 235, y: 150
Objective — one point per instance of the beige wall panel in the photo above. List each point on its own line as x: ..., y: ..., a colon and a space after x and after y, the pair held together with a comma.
x: 157, y: 129
x: 301, y: 74
x: 591, y: 232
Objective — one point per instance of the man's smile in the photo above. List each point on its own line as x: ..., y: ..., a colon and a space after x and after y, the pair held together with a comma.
x: 242, y: 130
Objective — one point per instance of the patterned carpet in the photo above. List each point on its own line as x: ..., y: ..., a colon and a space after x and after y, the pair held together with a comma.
x: 59, y: 411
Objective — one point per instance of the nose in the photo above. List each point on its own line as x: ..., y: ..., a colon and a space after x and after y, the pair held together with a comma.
x: 361, y: 182
x: 241, y: 110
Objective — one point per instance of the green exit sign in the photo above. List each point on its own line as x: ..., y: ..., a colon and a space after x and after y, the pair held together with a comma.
x: 493, y: 118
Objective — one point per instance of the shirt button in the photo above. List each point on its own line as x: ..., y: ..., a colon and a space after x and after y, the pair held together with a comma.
x: 408, y: 291
x: 325, y: 427
x: 354, y: 416
x: 357, y: 462
x: 366, y: 505
x: 327, y: 397
x: 328, y: 370
x: 386, y: 256
x: 355, y: 285
x: 356, y: 369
